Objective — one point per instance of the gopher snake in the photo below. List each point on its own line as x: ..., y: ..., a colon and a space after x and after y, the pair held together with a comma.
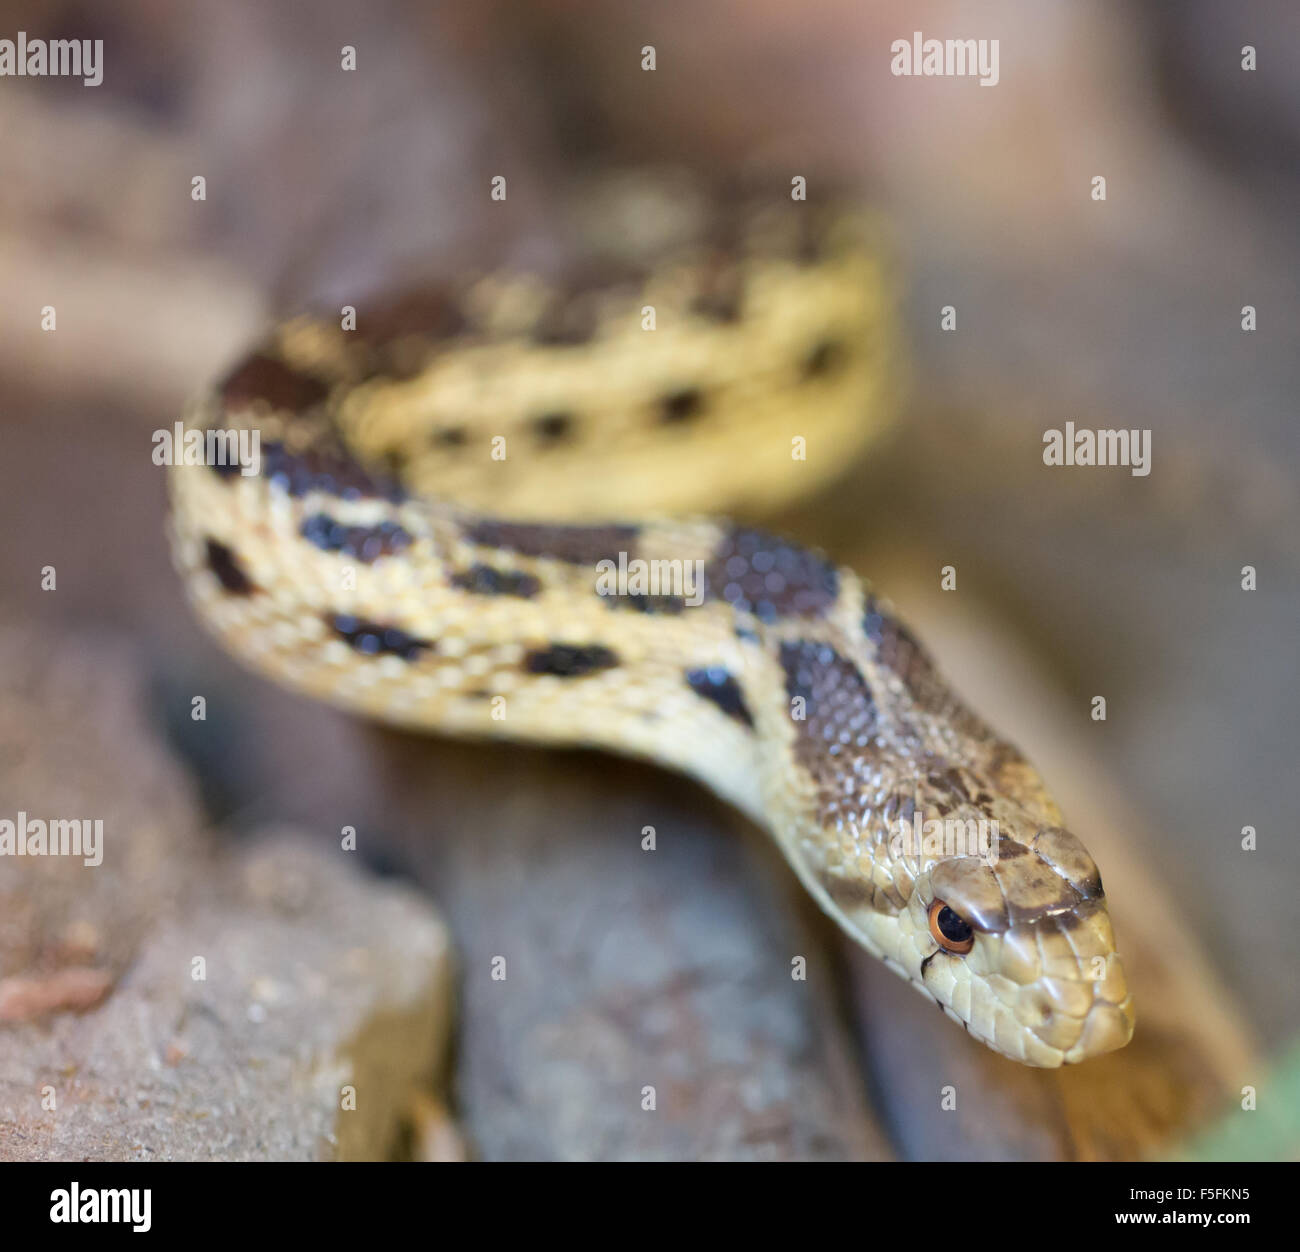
x: 735, y: 350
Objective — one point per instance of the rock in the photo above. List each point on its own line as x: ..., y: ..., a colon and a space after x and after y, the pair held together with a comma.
x: 177, y: 1002
x: 75, y: 744
x: 619, y: 1003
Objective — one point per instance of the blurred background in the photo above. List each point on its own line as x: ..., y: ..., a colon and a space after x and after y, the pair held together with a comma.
x: 1072, y: 584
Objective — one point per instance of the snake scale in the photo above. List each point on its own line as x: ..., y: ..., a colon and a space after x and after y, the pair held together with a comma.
x: 423, y: 539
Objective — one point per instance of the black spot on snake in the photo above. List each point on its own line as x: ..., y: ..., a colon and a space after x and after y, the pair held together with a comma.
x: 681, y: 406
x: 484, y: 580
x: 567, y: 660
x: 769, y: 577
x: 395, y: 462
x: 718, y: 686
x: 231, y: 468
x: 223, y: 562
x: 575, y: 545
x: 270, y: 380
x: 321, y: 468
x: 449, y: 437
x: 839, y: 711
x: 552, y: 428
x: 824, y: 359
x: 375, y: 639
x: 648, y: 604
x: 366, y: 543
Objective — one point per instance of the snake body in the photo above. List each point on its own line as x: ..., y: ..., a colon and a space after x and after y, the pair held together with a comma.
x: 406, y: 549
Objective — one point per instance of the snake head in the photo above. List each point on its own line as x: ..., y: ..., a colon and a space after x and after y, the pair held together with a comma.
x: 1017, y: 946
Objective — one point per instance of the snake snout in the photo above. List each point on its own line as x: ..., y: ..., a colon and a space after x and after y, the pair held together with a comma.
x: 1072, y: 995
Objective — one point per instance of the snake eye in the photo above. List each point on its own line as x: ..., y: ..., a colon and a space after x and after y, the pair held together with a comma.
x: 951, y: 933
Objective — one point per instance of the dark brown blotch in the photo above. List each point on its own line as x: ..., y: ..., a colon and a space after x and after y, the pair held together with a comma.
x: 449, y: 437
x: 327, y: 469
x: 365, y: 543
x: 682, y: 405
x: 576, y: 545
x: 719, y: 687
x: 824, y: 358
x: 396, y: 461
x: 376, y: 639
x: 402, y: 332
x: 553, y: 428
x: 223, y: 562
x: 230, y: 467
x: 268, y: 379
x: 485, y: 580
x: 1033, y: 891
x: 672, y: 606
x: 432, y: 313
x: 1008, y: 849
x: 567, y: 660
x: 769, y: 577
x: 899, y: 652
x: 949, y: 781
x: 838, y: 708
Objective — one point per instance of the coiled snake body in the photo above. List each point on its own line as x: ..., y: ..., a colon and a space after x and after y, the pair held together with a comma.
x: 397, y: 552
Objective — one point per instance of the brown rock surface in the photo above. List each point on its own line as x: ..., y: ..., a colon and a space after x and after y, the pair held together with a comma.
x: 315, y: 979
x: 625, y: 969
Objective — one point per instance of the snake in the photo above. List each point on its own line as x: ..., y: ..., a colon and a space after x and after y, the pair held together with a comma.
x: 427, y: 527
